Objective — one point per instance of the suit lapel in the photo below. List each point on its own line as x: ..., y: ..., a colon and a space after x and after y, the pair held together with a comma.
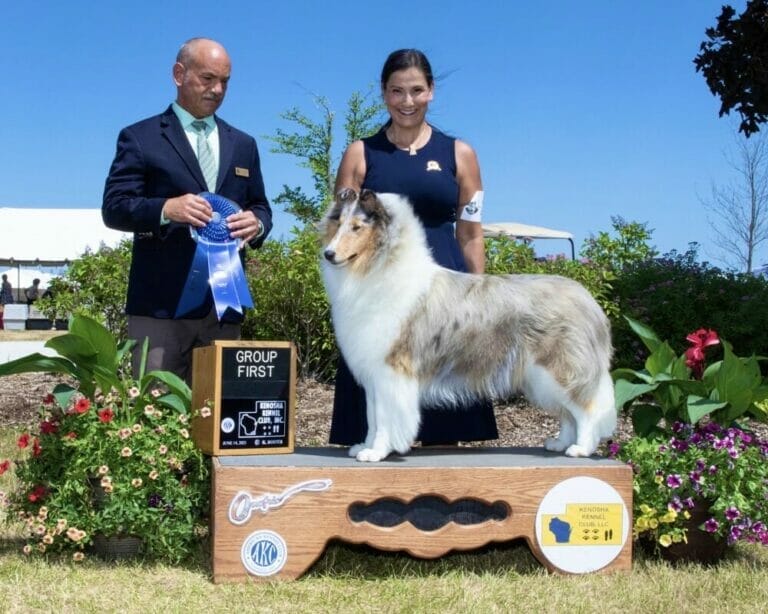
x: 172, y: 130
x: 226, y: 151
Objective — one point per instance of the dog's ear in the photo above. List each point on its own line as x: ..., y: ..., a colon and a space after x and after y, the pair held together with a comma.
x: 371, y: 205
x: 346, y: 195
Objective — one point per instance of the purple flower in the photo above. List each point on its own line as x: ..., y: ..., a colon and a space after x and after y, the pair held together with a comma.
x: 613, y: 449
x: 155, y: 500
x: 689, y: 503
x: 695, y: 477
x: 712, y: 469
x: 675, y: 505
x: 674, y: 481
x: 733, y: 535
x: 732, y: 513
x: 711, y: 525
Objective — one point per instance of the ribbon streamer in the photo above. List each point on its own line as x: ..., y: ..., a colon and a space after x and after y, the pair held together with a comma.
x: 216, y: 265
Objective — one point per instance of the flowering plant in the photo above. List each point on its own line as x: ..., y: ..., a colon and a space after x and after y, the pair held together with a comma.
x: 110, y: 456
x: 679, y: 388
x: 720, y: 474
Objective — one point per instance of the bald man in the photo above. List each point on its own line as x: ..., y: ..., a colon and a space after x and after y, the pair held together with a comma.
x: 153, y: 190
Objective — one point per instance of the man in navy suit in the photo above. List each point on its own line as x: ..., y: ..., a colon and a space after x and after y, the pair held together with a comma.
x: 152, y: 190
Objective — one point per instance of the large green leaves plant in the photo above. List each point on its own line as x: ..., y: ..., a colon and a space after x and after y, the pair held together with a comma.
x: 667, y: 389
x: 89, y: 353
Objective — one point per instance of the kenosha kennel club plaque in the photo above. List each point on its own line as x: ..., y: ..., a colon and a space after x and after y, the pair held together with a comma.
x: 244, y: 397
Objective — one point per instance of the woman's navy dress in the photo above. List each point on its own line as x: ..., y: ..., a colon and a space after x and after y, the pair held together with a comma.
x: 428, y: 179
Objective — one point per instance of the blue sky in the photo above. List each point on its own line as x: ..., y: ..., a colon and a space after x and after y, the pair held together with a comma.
x: 578, y: 111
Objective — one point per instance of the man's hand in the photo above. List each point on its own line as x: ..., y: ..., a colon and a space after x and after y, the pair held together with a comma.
x: 188, y: 209
x: 244, y: 226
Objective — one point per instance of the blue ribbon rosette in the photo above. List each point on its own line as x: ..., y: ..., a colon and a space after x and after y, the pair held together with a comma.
x: 216, y: 264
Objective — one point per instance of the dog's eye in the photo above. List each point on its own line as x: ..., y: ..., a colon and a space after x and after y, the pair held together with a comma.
x: 356, y: 227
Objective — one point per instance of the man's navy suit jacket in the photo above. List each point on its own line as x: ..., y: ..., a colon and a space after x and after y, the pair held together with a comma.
x: 155, y: 162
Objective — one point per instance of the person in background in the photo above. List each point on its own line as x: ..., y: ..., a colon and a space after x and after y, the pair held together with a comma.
x: 6, y: 295
x: 440, y: 175
x: 153, y: 190
x: 33, y: 292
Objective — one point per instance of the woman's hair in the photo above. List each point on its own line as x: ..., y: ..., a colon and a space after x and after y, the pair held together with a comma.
x: 403, y: 59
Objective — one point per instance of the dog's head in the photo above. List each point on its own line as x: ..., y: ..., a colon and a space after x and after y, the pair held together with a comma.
x: 353, y: 229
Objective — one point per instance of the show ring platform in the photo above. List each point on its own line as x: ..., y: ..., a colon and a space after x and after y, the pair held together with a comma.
x: 273, y: 515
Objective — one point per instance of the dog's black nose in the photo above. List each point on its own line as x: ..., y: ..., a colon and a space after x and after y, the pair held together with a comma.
x: 330, y: 255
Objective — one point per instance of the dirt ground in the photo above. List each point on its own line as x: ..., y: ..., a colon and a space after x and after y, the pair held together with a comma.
x: 518, y: 423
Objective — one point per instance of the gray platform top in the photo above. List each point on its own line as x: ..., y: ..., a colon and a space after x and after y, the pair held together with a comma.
x: 420, y: 457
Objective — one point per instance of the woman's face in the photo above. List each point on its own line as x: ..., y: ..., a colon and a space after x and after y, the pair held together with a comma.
x: 407, y: 96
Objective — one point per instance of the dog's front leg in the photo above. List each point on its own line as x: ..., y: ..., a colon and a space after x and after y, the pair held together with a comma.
x: 393, y: 417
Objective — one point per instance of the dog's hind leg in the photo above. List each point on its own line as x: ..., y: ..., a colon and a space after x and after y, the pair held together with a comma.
x: 394, y: 405
x: 596, y: 421
x: 567, y: 435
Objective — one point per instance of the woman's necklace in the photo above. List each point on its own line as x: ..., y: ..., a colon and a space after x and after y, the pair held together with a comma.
x: 411, y: 149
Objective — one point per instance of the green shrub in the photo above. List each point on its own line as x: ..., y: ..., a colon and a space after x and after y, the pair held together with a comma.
x: 675, y: 295
x: 94, y: 285
x: 290, y: 301
x: 510, y: 256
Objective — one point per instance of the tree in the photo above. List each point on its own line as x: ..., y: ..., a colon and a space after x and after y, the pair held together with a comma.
x: 629, y: 246
x: 312, y: 143
x: 734, y: 62
x: 741, y: 207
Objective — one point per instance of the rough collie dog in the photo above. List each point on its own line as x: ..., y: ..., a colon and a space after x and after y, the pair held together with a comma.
x: 415, y: 333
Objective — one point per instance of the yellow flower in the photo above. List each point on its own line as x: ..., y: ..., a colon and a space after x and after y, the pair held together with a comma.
x: 205, y: 412
x: 136, y: 428
x: 78, y: 556
x: 153, y: 475
x: 653, y: 523
x: 103, y: 469
x: 665, y: 540
x: 48, y: 539
x: 641, y: 523
x: 136, y: 482
x: 126, y: 452
x: 27, y: 549
x: 647, y: 509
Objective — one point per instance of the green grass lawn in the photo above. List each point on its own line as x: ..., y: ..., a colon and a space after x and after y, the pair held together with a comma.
x: 357, y: 579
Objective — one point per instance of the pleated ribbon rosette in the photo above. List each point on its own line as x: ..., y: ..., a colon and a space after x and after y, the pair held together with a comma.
x: 216, y: 264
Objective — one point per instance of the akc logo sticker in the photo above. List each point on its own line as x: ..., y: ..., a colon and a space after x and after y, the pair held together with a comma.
x: 264, y: 553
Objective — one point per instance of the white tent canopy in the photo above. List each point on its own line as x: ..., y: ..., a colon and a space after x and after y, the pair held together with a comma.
x: 526, y: 232
x: 35, y: 237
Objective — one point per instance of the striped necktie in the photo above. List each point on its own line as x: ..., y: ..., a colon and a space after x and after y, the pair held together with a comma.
x: 205, y: 155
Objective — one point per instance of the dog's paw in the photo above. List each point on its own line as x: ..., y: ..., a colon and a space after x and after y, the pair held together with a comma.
x: 555, y: 445
x: 355, y: 450
x: 576, y: 451
x: 370, y: 455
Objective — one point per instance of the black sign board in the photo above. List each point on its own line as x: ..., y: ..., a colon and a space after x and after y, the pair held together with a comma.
x: 255, y: 397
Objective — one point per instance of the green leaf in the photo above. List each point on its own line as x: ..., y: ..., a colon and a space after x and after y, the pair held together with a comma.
x: 645, y: 418
x: 174, y: 383
x: 629, y: 374
x: 63, y: 395
x: 99, y: 337
x: 36, y: 363
x: 661, y: 360
x: 698, y: 407
x: 647, y: 336
x: 734, y: 383
x: 625, y: 392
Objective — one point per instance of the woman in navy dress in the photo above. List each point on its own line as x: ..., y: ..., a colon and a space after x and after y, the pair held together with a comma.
x: 440, y: 176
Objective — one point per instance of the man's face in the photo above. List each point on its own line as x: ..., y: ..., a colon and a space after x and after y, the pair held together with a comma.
x: 202, y: 82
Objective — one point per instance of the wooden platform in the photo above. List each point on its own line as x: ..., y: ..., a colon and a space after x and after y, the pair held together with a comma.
x: 273, y: 515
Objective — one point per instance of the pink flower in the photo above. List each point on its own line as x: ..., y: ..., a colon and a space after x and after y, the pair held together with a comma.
x: 23, y: 441
x: 105, y: 415
x: 82, y: 406
x: 4, y: 466
x: 703, y: 338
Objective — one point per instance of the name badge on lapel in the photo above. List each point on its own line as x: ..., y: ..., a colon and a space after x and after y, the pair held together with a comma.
x: 242, y: 172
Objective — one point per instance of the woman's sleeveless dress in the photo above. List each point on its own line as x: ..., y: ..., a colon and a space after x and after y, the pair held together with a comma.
x: 428, y: 179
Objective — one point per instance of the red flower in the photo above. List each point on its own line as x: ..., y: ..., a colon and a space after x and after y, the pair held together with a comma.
x: 106, y: 415
x: 46, y: 427
x: 38, y: 492
x: 703, y: 338
x: 36, y: 448
x: 694, y: 355
x: 71, y: 435
x: 82, y: 406
x: 23, y: 441
x: 49, y: 399
x: 4, y: 466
